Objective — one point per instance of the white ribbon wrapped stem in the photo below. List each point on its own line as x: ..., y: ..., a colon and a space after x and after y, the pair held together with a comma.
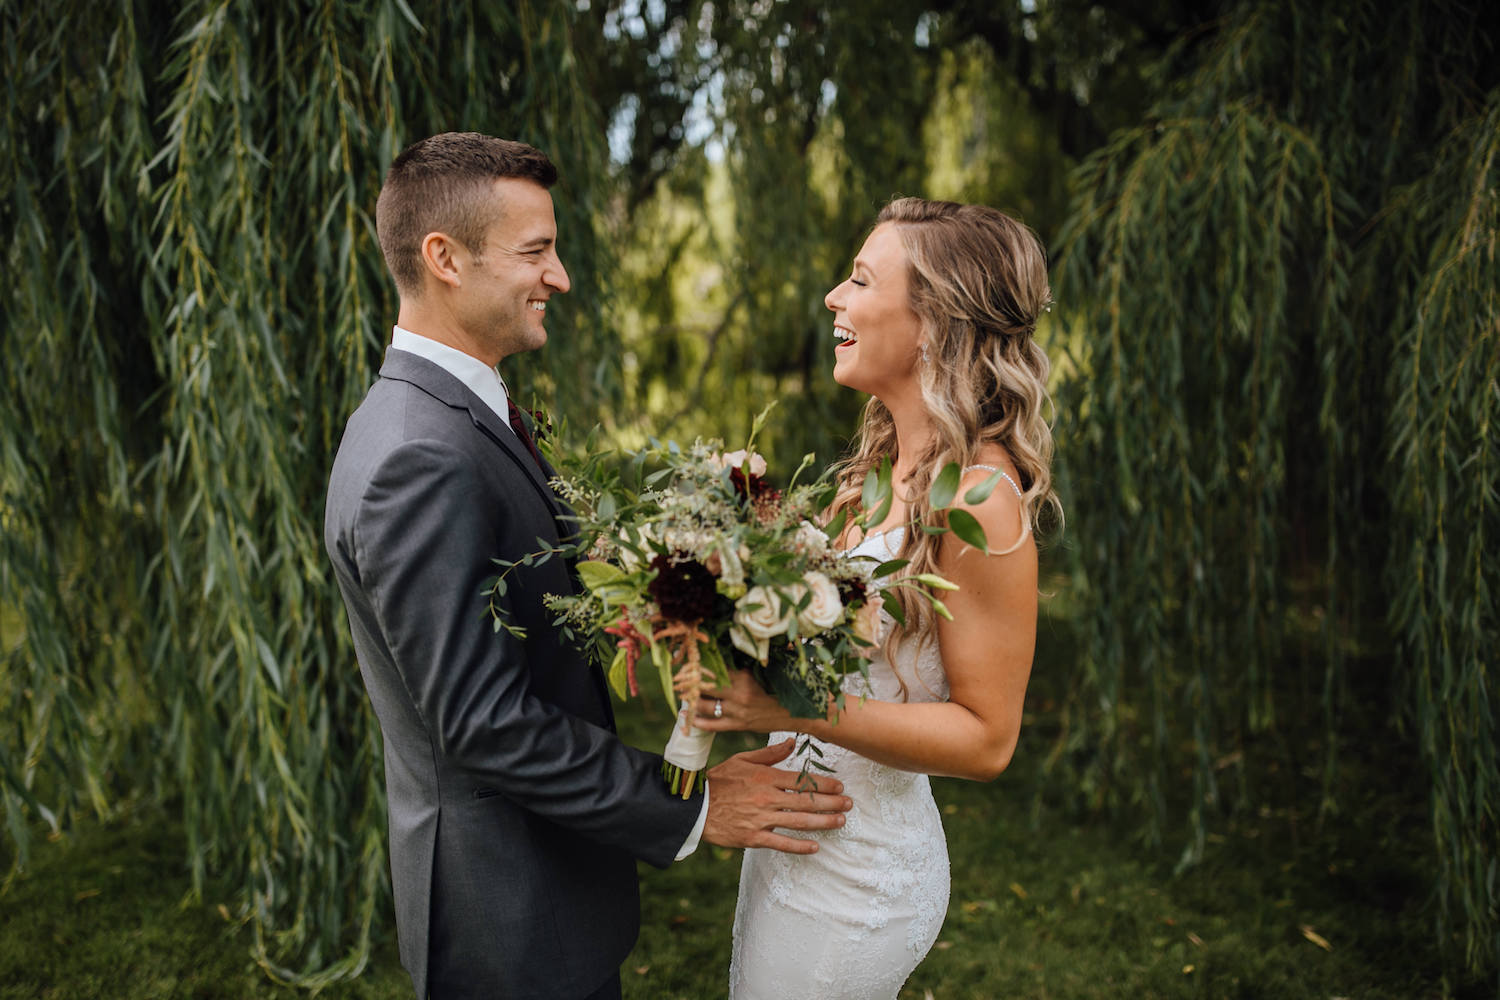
x: 686, y: 755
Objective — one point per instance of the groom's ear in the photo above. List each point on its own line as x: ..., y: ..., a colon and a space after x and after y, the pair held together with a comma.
x: 441, y: 255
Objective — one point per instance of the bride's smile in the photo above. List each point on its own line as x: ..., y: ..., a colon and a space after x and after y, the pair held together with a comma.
x: 878, y: 332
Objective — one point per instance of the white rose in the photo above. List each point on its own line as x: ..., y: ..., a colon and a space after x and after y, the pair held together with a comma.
x: 824, y: 609
x: 758, y: 617
x: 760, y: 613
x: 758, y: 648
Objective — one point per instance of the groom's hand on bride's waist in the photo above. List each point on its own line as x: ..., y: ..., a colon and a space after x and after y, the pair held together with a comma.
x: 748, y: 798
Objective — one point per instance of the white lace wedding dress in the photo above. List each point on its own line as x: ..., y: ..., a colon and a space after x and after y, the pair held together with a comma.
x: 853, y: 920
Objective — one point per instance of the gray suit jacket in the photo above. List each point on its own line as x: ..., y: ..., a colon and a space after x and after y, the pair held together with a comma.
x: 516, y: 814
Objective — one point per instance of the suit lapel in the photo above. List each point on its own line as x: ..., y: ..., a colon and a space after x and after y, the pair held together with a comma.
x: 490, y: 424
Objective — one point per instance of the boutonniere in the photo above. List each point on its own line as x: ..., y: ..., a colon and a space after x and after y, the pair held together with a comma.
x: 541, y: 423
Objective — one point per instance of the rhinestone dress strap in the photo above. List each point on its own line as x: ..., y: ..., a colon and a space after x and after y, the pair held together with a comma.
x: 1003, y: 473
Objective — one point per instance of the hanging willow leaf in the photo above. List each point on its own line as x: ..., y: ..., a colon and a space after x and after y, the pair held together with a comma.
x: 187, y: 197
x: 1276, y: 415
x: 1285, y: 399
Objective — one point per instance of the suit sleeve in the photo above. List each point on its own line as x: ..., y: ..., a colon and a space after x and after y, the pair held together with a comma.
x: 424, y: 538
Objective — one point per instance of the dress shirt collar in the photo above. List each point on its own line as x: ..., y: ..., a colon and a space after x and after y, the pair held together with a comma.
x: 484, y: 381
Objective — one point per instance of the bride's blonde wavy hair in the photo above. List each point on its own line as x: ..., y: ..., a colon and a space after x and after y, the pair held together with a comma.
x: 978, y: 283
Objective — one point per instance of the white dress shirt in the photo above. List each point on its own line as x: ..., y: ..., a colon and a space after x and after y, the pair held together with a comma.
x: 487, y: 384
x: 478, y: 376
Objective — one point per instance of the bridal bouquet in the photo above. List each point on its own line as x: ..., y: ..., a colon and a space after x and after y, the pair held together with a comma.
x: 693, y: 563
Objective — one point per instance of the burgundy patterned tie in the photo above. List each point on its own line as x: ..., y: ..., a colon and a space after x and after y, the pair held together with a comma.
x: 520, y: 429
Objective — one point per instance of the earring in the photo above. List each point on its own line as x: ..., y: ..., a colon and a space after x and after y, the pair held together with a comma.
x: 925, y: 358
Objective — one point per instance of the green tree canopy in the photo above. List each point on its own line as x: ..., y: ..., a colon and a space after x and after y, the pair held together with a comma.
x: 1282, y: 435
x: 1275, y: 230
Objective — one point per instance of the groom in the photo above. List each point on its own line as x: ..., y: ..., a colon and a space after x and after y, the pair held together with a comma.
x: 516, y: 814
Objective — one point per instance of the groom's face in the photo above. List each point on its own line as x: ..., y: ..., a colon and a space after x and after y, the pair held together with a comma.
x: 508, y: 284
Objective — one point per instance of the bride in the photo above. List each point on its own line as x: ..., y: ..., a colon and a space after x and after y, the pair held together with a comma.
x: 935, y: 323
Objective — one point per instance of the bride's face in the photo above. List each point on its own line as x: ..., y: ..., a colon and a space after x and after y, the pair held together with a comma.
x: 879, y: 336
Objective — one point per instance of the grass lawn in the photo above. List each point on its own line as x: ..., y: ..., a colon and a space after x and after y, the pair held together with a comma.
x: 1045, y: 904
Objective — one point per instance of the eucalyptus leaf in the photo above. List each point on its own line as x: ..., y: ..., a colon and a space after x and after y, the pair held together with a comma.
x: 793, y: 697
x: 967, y: 527
x: 870, y: 490
x: 944, y: 486
x: 634, y: 471
x: 882, y: 511
x: 978, y: 494
x: 893, y: 607
x: 607, y: 507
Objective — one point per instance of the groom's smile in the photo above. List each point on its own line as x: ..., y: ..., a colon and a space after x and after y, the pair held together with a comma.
x: 518, y: 270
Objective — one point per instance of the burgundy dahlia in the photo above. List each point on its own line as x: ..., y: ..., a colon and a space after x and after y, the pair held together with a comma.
x: 683, y: 590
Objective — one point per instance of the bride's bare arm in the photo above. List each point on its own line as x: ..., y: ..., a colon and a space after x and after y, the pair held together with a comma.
x: 987, y: 653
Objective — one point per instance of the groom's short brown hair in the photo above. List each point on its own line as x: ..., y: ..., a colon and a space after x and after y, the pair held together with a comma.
x: 441, y: 184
